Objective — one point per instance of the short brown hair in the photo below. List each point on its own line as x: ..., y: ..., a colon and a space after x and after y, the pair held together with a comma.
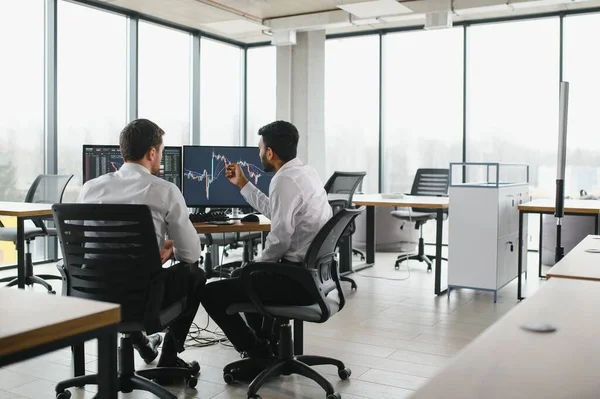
x: 138, y: 137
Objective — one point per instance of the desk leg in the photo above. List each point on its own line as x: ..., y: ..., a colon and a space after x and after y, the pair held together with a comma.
x: 298, y: 337
x: 520, y: 256
x: 370, y: 234
x: 78, y: 356
x: 21, y: 272
x: 107, y: 365
x: 540, y: 238
x: 597, y: 224
x: 345, y: 255
x: 438, y: 251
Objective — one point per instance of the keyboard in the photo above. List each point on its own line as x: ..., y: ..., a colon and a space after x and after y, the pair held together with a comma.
x: 202, y: 217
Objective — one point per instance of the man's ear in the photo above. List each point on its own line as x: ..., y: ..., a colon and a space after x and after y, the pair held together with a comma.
x: 151, y: 154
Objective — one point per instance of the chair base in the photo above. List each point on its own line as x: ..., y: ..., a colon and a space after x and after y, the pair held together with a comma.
x: 351, y: 281
x: 30, y: 278
x: 420, y: 256
x: 284, y: 364
x: 358, y: 253
x: 129, y: 379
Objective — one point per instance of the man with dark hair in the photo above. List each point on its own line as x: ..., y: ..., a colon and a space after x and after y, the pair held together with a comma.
x: 141, y: 143
x: 298, y: 208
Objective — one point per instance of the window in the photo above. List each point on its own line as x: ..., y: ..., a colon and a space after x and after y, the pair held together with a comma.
x: 581, y: 66
x: 512, y: 94
x: 164, y: 80
x: 21, y: 107
x: 92, y: 69
x: 352, y: 108
x: 422, y: 104
x: 21, y: 96
x: 261, y: 78
x: 220, y: 93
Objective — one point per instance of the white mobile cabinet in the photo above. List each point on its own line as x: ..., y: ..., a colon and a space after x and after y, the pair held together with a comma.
x: 483, y: 235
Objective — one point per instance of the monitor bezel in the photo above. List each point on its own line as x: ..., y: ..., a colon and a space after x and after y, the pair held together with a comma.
x: 236, y: 147
x: 113, y: 146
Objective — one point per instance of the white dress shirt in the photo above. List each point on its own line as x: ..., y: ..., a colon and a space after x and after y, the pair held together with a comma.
x: 297, y: 206
x: 134, y: 184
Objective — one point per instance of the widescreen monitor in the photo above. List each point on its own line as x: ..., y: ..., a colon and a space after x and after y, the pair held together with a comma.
x: 101, y: 159
x: 204, y: 181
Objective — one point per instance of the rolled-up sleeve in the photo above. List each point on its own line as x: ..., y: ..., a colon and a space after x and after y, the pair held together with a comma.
x: 179, y: 229
x: 284, y: 203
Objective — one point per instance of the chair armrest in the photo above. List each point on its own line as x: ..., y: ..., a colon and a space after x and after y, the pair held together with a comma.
x: 65, y: 277
x: 306, y: 277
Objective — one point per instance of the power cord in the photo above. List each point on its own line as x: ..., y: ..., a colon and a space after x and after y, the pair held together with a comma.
x: 200, y: 337
x: 406, y: 257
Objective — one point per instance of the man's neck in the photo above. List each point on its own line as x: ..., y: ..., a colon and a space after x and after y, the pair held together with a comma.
x: 141, y: 163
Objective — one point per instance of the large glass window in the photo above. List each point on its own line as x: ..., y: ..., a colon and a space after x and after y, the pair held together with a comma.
x: 261, y: 78
x: 352, y: 108
x: 422, y: 104
x: 164, y: 80
x: 512, y: 94
x: 21, y: 96
x: 21, y: 107
x: 92, y: 70
x: 220, y: 93
x: 581, y: 67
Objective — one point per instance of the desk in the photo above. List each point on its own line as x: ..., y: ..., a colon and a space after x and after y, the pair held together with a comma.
x: 440, y: 204
x: 22, y: 211
x: 546, y: 207
x: 579, y: 264
x: 32, y: 324
x: 506, y: 361
x: 262, y: 226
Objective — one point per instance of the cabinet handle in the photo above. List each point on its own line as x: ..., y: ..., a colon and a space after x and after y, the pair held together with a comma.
x: 512, y: 247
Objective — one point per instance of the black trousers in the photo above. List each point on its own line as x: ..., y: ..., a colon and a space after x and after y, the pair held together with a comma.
x: 217, y: 296
x: 183, y: 279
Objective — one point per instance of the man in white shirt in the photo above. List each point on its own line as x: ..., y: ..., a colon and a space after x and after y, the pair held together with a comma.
x: 298, y: 208
x: 136, y: 183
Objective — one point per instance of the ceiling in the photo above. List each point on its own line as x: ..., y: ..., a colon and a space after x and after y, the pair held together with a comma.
x: 251, y: 21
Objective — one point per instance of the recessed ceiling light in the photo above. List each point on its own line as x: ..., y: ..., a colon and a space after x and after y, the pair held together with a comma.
x: 374, y: 9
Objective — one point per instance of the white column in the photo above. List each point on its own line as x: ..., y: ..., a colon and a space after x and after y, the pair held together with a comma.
x: 301, y: 94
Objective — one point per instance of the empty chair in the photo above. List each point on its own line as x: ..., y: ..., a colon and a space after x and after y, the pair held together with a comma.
x: 45, y: 189
x: 428, y: 182
x: 342, y: 186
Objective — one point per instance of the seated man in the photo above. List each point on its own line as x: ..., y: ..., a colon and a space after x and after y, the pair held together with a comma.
x: 135, y: 183
x: 298, y: 208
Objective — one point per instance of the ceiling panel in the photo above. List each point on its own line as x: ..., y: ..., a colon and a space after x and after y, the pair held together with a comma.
x: 265, y: 9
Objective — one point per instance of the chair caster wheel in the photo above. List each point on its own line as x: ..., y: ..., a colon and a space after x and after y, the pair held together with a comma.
x: 63, y: 395
x: 334, y: 395
x: 191, y: 382
x: 344, y: 374
x: 195, y: 368
x: 228, y: 378
x: 254, y: 397
x: 397, y: 266
x: 52, y: 292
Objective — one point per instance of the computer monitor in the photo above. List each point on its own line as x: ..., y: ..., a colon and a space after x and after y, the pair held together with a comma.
x: 101, y: 159
x: 204, y: 181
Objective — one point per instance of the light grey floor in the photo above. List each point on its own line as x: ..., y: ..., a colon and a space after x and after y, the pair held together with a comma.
x: 394, y: 335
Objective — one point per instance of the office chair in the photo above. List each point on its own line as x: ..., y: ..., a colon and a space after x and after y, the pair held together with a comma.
x: 45, y: 189
x: 111, y: 255
x: 342, y: 186
x: 427, y: 182
x: 319, y: 275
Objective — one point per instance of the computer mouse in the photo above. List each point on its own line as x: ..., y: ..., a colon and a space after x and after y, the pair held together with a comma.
x: 251, y: 218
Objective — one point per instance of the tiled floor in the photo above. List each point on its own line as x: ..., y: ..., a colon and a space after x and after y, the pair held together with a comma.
x: 393, y: 334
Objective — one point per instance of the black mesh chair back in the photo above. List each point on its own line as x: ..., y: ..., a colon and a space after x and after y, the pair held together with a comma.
x: 111, y: 255
x: 47, y: 189
x: 322, y: 252
x: 344, y: 184
x: 430, y: 182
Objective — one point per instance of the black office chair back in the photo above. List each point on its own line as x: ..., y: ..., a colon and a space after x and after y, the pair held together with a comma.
x: 47, y: 189
x: 344, y: 184
x: 321, y: 253
x: 111, y: 255
x: 336, y: 206
x: 430, y: 182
